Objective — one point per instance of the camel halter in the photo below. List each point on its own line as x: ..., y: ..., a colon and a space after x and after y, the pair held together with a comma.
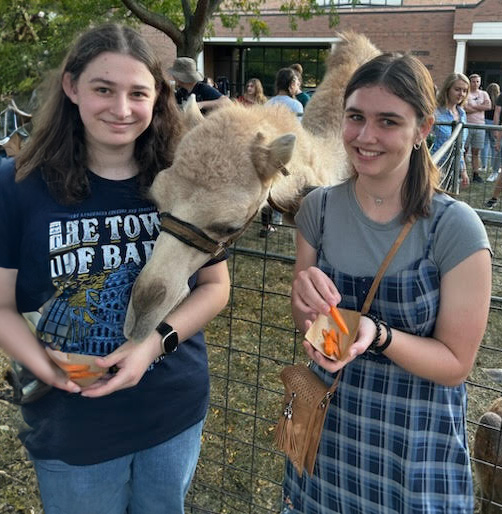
x: 197, y: 238
x: 285, y: 172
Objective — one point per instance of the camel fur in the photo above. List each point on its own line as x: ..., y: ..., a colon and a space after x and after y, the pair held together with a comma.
x: 487, y: 455
x: 226, y: 167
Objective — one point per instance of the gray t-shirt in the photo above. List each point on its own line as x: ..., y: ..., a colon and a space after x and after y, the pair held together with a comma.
x: 356, y: 245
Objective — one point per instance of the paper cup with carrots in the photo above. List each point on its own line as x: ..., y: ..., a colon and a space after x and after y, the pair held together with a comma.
x: 81, y: 369
x: 333, y: 335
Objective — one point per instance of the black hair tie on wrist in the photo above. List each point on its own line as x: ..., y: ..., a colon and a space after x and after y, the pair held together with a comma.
x: 373, y: 347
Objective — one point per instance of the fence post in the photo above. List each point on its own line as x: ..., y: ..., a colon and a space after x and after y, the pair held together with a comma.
x: 457, y: 161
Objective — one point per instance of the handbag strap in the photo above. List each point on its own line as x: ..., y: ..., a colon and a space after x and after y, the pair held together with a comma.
x: 334, y: 385
x: 378, y: 277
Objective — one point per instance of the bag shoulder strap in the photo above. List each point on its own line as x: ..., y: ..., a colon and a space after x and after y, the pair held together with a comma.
x: 378, y: 277
x: 334, y: 385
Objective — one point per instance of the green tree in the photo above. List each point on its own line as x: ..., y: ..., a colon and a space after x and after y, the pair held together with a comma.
x: 35, y: 34
x: 186, y: 22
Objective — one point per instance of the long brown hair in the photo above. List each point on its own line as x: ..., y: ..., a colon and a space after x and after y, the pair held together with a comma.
x: 57, y: 144
x: 407, y: 78
x: 259, y: 96
x: 493, y: 90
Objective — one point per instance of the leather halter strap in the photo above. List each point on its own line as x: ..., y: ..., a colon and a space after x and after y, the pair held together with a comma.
x: 285, y: 172
x: 274, y: 205
x: 195, y: 237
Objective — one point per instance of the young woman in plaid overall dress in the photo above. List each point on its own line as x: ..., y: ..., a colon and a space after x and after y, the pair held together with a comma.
x: 394, y: 439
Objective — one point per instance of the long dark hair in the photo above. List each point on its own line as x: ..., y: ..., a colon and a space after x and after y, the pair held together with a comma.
x: 57, y: 144
x: 407, y: 78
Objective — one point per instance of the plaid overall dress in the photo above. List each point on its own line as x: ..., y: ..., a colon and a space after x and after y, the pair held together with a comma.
x: 392, y: 441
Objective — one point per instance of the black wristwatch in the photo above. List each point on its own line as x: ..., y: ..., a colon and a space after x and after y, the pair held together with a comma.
x: 169, y: 341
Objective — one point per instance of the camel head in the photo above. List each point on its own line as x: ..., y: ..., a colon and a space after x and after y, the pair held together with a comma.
x: 220, y: 178
x: 227, y: 165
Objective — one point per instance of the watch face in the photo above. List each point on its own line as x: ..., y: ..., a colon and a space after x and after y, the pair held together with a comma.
x: 169, y: 337
x: 170, y: 342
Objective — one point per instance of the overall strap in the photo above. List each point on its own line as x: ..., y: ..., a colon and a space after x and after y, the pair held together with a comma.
x: 323, y: 211
x: 322, y: 218
x: 378, y: 277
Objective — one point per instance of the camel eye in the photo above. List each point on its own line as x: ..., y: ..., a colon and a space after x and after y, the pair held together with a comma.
x: 223, y: 230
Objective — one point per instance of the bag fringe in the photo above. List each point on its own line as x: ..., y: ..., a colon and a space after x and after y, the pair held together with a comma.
x: 285, y: 434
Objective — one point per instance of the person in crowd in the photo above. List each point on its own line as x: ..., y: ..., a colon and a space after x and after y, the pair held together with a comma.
x: 77, y: 229
x: 302, y: 97
x: 269, y: 219
x: 190, y: 82
x: 497, y: 120
x: 450, y: 100
x: 395, y: 436
x: 497, y: 135
x: 253, y: 94
x: 478, y: 102
x: 489, y: 153
x: 287, y: 86
x: 210, y: 82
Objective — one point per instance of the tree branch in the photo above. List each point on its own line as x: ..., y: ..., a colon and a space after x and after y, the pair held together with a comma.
x: 203, y: 12
x: 187, y: 10
x: 160, y: 22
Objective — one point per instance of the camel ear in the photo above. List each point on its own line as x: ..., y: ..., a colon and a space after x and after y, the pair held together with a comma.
x: 269, y: 160
x: 192, y: 116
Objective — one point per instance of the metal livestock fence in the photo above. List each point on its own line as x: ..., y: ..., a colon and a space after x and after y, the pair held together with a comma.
x: 240, y: 471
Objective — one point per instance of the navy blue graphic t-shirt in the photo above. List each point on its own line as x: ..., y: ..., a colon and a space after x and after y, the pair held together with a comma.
x: 76, y: 267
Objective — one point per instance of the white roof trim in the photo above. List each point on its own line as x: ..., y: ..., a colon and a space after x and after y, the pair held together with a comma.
x: 477, y: 37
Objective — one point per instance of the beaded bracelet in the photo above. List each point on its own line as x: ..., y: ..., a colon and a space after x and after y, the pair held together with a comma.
x: 374, y: 344
x: 388, y: 340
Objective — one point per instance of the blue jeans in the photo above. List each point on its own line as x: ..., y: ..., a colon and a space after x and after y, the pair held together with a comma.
x: 152, y: 481
x: 488, y: 149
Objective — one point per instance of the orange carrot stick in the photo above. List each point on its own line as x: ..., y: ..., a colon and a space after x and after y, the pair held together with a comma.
x: 336, y: 350
x: 330, y: 343
x: 83, y: 374
x: 329, y: 346
x: 74, y: 367
x: 338, y: 319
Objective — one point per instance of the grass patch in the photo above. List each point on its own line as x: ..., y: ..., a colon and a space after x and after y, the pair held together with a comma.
x: 248, y: 344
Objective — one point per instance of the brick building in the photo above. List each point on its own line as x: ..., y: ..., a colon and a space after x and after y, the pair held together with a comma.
x: 447, y: 35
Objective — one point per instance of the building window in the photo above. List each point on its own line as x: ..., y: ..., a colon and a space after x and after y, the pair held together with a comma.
x: 263, y: 62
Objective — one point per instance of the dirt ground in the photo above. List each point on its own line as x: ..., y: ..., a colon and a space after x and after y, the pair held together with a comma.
x: 18, y: 487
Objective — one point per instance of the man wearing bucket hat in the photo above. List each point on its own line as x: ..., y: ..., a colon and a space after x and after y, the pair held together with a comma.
x: 189, y: 82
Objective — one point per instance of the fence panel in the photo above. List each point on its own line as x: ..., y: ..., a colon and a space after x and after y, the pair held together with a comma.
x: 240, y: 471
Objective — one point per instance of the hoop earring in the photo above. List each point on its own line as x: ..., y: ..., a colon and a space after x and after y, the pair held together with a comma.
x: 417, y: 146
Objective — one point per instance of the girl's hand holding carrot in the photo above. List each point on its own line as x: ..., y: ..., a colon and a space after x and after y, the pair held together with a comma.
x: 364, y: 337
x: 312, y: 293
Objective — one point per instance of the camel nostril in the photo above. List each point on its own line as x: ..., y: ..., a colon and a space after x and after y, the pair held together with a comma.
x: 146, y: 298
